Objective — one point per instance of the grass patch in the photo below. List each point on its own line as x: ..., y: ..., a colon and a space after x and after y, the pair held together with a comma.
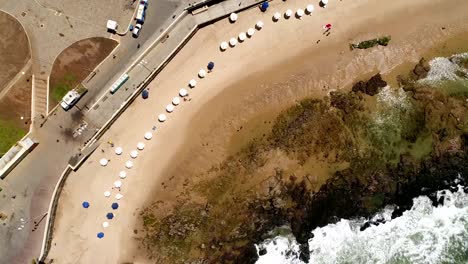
x: 9, y: 135
x: 65, y: 84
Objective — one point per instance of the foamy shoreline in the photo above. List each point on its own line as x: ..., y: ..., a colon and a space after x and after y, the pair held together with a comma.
x: 76, y: 228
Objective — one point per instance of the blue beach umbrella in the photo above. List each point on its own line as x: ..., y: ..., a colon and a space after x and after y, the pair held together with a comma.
x: 85, y: 204
x: 264, y: 6
x: 145, y: 94
x: 210, y: 65
x: 110, y: 215
x: 100, y: 235
x: 115, y: 206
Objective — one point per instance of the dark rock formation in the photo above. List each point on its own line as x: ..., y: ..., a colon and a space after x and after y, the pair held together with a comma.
x: 371, y: 87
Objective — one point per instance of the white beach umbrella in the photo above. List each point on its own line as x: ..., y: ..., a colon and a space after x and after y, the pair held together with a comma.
x: 129, y: 164
x: 134, y: 154
x: 224, y: 45
x: 288, y: 13
x: 118, y: 150
x: 140, y: 145
x: 310, y: 9
x: 118, y: 184
x: 233, y: 17
x: 122, y: 174
x: 118, y: 196
x: 148, y: 135
x: 242, y: 36
x: 169, y: 108
x: 250, y: 32
x: 259, y: 25
x: 324, y: 2
x: 300, y: 13
x: 105, y: 224
x: 107, y: 193
x: 104, y: 162
x: 233, y: 42
x: 192, y: 83
x: 202, y: 73
x: 162, y: 117
x: 183, y: 92
x: 176, y: 101
x: 276, y: 16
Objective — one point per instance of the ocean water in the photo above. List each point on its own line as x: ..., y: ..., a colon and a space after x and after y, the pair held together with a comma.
x: 424, y: 234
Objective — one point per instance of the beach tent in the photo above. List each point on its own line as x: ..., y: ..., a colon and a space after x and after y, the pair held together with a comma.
x: 310, y: 9
x: 129, y: 164
x: 300, y: 13
x: 110, y: 215
x: 85, y: 204
x: 100, y: 235
x: 105, y: 224
x: 169, y: 108
x: 223, y: 45
x: 118, y: 196
x: 103, y: 162
x: 192, y: 83
x: 242, y: 36
x: 162, y: 117
x: 233, y: 42
x: 264, y: 6
x: 210, y: 66
x: 115, y: 206
x: 202, y: 73
x: 118, y: 150
x: 176, y: 100
x: 233, y: 17
x: 183, y: 92
x: 148, y: 135
x: 276, y: 16
x: 122, y: 174
x: 250, y: 32
x: 107, y: 193
x: 145, y: 94
x: 140, y: 145
x: 118, y: 184
x: 288, y: 13
x: 259, y: 25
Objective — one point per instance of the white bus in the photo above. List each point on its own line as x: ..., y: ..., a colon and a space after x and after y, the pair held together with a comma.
x: 117, y: 84
x: 140, y: 17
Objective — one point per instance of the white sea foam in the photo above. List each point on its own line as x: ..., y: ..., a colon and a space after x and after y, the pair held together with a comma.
x: 423, y: 234
x: 445, y: 68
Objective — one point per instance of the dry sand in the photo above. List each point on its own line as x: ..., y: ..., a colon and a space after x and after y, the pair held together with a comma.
x: 278, y: 65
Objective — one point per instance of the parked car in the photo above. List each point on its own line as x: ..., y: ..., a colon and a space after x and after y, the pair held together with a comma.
x: 136, y: 30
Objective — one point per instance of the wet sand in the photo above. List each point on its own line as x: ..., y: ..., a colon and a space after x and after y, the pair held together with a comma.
x: 279, y: 65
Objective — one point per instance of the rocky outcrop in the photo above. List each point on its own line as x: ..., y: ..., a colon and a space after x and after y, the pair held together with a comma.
x: 371, y: 87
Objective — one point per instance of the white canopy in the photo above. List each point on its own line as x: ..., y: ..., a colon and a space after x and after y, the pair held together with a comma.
x: 104, y: 162
x: 148, y: 135
x: 129, y: 164
x: 118, y: 150
x: 107, y: 193
x: 122, y: 174
x: 233, y: 42
x: 202, y: 73
x: 242, y: 36
x: 233, y: 17
x: 118, y: 196
x: 183, y: 92
x: 324, y: 2
x: 169, y: 108
x: 259, y: 25
x: 224, y: 45
x: 300, y: 12
x: 176, y: 100
x: 134, y: 154
x: 118, y: 184
x: 276, y: 16
x: 310, y: 9
x: 140, y: 145
x: 105, y: 224
x: 162, y: 117
x: 288, y: 13
x: 192, y: 83
x: 250, y: 32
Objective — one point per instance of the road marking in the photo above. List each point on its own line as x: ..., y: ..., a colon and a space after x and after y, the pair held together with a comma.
x: 99, y: 100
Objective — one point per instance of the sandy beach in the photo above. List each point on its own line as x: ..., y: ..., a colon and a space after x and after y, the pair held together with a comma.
x: 280, y: 64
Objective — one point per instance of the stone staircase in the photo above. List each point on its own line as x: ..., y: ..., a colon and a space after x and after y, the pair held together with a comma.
x: 39, y: 97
